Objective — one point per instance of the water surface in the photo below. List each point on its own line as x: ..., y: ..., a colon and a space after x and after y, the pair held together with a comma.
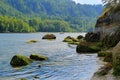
x: 63, y: 63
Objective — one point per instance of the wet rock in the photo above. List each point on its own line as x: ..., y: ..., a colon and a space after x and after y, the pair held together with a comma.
x: 20, y: 60
x: 104, y: 53
x: 49, y: 36
x: 92, y: 37
x: 38, y: 57
x: 70, y: 39
x: 36, y: 77
x: 39, y: 65
x: 80, y: 37
x: 87, y: 47
x: 74, y: 43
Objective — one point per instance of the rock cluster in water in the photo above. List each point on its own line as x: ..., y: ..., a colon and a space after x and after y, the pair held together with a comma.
x: 72, y: 40
x: 21, y: 60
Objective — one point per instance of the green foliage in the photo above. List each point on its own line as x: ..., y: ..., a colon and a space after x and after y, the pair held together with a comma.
x: 116, y: 8
x: 48, y: 15
x: 116, y: 64
x: 108, y: 57
x: 8, y: 24
x: 102, y: 53
x: 116, y: 70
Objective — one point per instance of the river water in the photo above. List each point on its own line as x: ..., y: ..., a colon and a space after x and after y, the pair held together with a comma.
x: 63, y: 63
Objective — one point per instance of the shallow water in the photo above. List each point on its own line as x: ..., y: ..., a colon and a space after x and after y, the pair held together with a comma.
x: 63, y: 63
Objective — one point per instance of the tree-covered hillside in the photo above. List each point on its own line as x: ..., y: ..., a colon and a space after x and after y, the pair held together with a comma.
x: 50, y: 15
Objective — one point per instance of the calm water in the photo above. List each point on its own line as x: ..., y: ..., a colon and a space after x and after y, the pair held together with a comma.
x: 63, y: 64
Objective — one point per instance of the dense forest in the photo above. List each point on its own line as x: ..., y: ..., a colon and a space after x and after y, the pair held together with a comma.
x: 47, y: 15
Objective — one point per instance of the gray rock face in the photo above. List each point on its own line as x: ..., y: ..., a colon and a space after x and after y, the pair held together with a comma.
x: 92, y: 37
x: 116, y: 60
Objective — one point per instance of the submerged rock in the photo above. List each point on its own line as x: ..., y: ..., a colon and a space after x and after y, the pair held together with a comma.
x: 38, y: 57
x: 32, y: 41
x: 23, y: 79
x: 49, y: 36
x: 20, y: 60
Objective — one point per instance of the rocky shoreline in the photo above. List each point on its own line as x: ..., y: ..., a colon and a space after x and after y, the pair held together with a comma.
x: 109, y: 28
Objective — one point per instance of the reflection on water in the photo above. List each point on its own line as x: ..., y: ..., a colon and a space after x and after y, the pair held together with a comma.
x: 63, y: 63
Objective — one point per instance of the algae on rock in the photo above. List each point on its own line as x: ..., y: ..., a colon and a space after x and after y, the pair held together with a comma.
x: 20, y: 60
x: 38, y: 57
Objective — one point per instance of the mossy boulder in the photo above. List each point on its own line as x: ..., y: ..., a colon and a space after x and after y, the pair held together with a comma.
x: 80, y: 37
x: 70, y: 39
x: 38, y: 57
x: 49, y: 36
x: 67, y: 40
x: 87, y: 47
x: 32, y: 41
x: 20, y: 60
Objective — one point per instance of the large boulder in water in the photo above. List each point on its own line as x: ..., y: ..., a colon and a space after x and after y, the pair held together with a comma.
x: 38, y: 57
x: 20, y: 60
x: 92, y: 37
x: 49, y: 36
x: 87, y: 47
